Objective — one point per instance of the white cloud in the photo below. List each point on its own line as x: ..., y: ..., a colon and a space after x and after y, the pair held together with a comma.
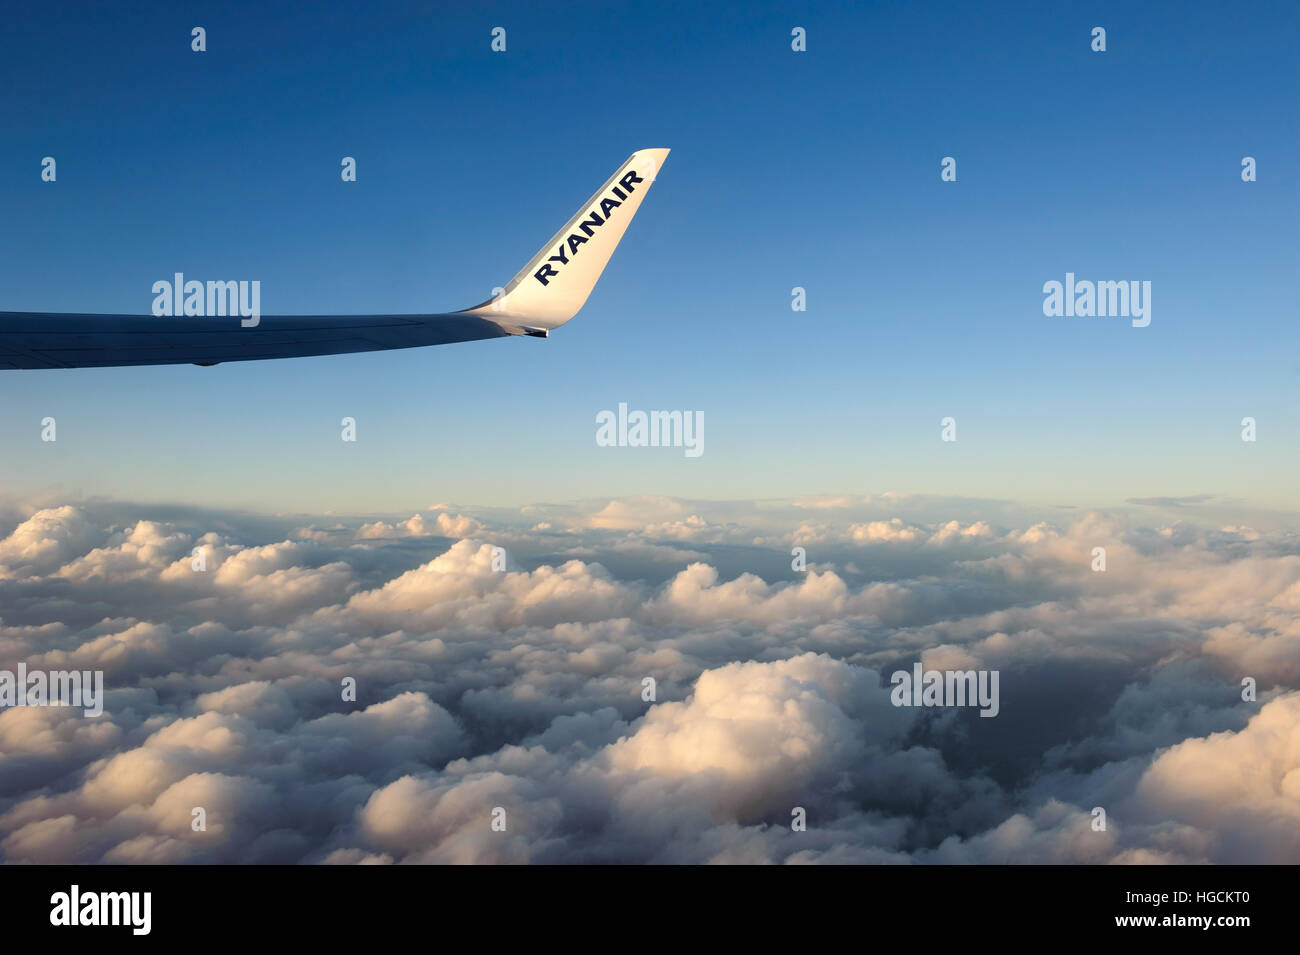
x: 522, y: 688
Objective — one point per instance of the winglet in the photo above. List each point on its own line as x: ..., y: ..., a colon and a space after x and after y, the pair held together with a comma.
x: 555, y: 283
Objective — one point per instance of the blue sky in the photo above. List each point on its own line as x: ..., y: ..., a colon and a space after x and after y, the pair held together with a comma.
x: 816, y: 169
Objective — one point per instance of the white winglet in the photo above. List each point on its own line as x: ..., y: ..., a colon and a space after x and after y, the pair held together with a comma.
x: 555, y: 283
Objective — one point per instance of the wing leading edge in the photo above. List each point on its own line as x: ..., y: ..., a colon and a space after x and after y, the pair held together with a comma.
x: 549, y: 291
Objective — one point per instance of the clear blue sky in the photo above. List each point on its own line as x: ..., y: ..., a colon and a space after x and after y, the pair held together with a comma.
x: 816, y: 169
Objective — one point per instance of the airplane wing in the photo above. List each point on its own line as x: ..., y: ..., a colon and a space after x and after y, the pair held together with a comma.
x: 57, y: 340
x: 546, y: 293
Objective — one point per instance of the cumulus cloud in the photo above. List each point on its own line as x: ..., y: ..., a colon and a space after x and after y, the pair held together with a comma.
x: 46, y: 540
x: 417, y: 525
x: 651, y: 680
x: 1243, y: 787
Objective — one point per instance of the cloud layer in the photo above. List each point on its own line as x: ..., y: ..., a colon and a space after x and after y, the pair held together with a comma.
x: 649, y: 680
